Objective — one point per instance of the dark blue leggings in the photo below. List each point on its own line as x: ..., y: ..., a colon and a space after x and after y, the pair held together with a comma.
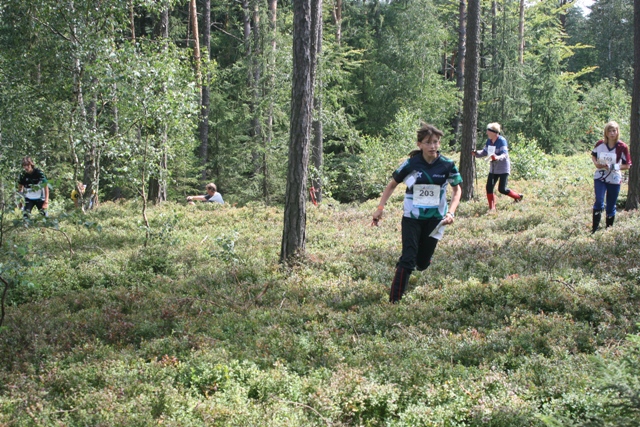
x: 611, y: 190
x: 502, y: 186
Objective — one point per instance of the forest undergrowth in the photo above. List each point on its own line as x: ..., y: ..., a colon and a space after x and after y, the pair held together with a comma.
x: 523, y: 319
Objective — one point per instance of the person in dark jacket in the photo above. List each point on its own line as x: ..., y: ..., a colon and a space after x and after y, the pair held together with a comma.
x: 34, y: 187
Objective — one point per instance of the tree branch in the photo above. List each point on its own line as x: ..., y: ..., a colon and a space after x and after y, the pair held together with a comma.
x: 65, y: 235
x: 4, y: 295
x: 226, y: 32
x: 53, y: 30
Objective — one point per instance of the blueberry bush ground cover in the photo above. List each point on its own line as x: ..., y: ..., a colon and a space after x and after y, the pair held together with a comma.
x: 523, y: 319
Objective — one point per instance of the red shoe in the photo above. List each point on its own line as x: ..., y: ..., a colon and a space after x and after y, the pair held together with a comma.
x: 515, y: 196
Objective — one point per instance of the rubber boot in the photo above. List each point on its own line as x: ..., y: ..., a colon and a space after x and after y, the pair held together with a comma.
x: 610, y: 220
x: 515, y: 196
x: 491, y: 198
x: 399, y: 284
x: 597, y: 214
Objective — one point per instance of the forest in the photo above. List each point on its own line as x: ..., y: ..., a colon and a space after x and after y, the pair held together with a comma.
x: 135, y: 308
x: 121, y: 96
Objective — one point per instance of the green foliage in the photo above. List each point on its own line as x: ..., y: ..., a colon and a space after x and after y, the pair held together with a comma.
x: 226, y: 251
x: 387, y: 69
x: 528, y: 161
x: 155, y: 103
x: 363, y: 171
x: 539, y: 98
x: 613, y: 399
x: 621, y: 386
x: 520, y: 319
x: 153, y: 259
x: 602, y: 102
x: 402, y: 66
x: 611, y: 33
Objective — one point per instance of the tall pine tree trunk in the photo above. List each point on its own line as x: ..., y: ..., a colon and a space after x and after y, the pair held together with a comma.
x: 494, y: 37
x: 470, y: 109
x: 205, y: 101
x: 251, y: 21
x: 633, y: 197
x: 193, y: 13
x: 306, y: 16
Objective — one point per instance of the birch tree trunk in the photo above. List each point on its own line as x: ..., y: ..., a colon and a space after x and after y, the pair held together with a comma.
x: 336, y: 11
x: 271, y: 64
x: 462, y: 36
x: 87, y: 122
x: 521, y: 34
x: 158, y: 182
x: 91, y: 155
x: 317, y: 151
x: 132, y: 22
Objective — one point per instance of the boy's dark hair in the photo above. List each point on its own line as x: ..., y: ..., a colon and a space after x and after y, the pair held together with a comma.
x: 211, y: 186
x: 26, y: 161
x: 424, y: 131
x: 428, y: 130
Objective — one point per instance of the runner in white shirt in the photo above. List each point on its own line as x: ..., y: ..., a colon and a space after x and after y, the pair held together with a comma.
x: 212, y: 196
x: 609, y: 156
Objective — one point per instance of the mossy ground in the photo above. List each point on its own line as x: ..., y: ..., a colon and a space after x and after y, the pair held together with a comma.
x: 519, y: 321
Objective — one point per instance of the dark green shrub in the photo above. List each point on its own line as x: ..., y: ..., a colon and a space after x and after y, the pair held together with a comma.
x: 155, y: 259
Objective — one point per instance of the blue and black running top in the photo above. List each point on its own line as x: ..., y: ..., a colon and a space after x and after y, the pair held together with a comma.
x: 500, y: 149
x: 426, y: 195
x: 33, y: 184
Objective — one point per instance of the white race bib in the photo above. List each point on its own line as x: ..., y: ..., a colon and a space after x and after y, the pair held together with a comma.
x: 607, y: 158
x: 426, y: 196
x: 491, y: 150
